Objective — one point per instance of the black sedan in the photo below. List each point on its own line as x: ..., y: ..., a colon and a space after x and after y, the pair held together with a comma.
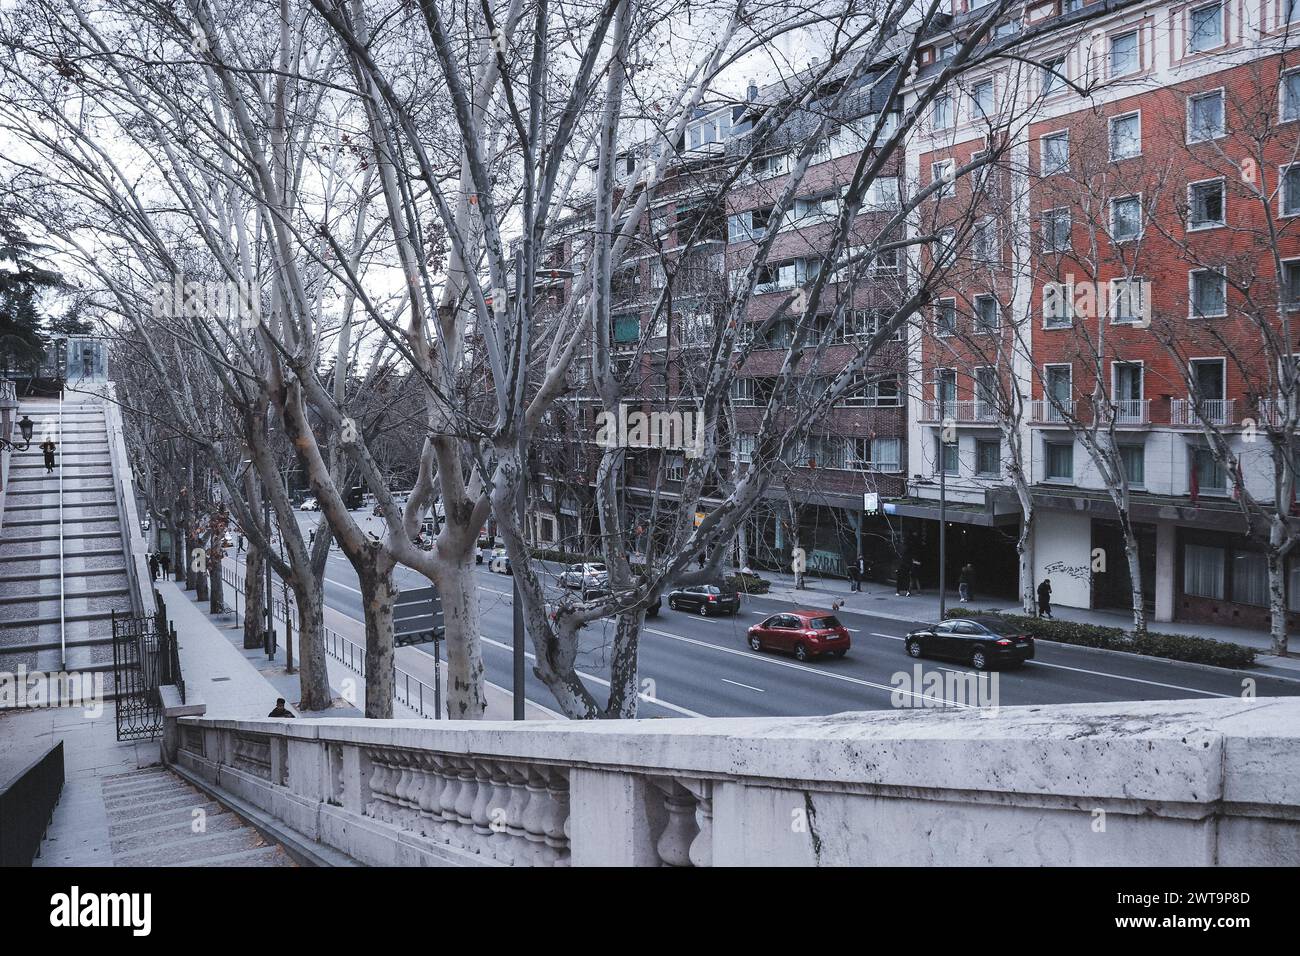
x: 704, y: 599
x: 981, y: 642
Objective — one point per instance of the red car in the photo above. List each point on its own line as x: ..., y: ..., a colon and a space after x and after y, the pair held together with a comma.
x: 804, y: 634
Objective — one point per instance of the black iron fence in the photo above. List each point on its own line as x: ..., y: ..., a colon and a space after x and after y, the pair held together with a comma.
x: 26, y: 805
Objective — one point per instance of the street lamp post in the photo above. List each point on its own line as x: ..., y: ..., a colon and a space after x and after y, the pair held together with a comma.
x: 943, y: 502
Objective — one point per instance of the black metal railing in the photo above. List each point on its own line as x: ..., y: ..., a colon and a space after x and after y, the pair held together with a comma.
x: 26, y: 806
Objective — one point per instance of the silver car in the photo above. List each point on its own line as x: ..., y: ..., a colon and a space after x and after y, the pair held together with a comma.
x: 584, y: 577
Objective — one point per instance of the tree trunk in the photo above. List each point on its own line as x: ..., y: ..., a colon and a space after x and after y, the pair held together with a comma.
x: 254, y: 609
x: 1277, y: 610
x: 377, y: 604
x: 216, y: 590
x: 201, y: 582
x: 624, y: 684
x: 1134, y: 575
x: 742, y: 546
x: 1025, y: 552
x: 466, y: 695
x: 313, y: 672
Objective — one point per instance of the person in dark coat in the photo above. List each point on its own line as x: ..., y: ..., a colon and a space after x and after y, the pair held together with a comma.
x: 965, y: 581
x: 153, y: 567
x: 165, y: 563
x: 47, y: 446
x: 280, y: 709
x: 859, y: 572
x: 903, y: 578
x: 1045, y: 598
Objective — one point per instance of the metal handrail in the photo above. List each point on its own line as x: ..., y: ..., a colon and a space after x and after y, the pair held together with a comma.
x: 63, y: 639
x: 348, y: 652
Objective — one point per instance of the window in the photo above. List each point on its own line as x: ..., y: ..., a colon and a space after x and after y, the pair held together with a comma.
x: 941, y: 112
x: 1250, y: 578
x: 1058, y: 305
x: 1133, y: 460
x: 988, y: 457
x: 1059, y: 385
x: 986, y: 392
x: 946, y: 455
x: 1205, y: 204
x: 1056, y: 230
x: 945, y: 315
x: 745, y: 448
x: 742, y: 391
x: 885, y: 454
x: 862, y: 393
x: 942, y: 172
x: 1124, y: 54
x: 1211, y: 477
x: 1127, y: 391
x: 1126, y: 136
x: 1209, y: 293
x: 945, y: 389
x: 945, y: 247
x: 627, y: 328
x: 1205, y: 117
x: 1128, y: 300
x: 1208, y: 376
x: 987, y: 318
x: 1291, y: 190
x: 1203, y: 571
x: 882, y: 193
x: 1053, y: 76
x: 981, y: 99
x: 1058, y: 461
x: 1126, y: 218
x: 1055, y: 153
x: 984, y: 242
x: 1205, y: 28
x: 1292, y: 9
x: 1290, y: 94
x: 674, y: 467
x: 1291, y: 284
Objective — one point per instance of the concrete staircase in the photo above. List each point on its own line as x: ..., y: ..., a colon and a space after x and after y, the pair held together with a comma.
x: 33, y: 632
x: 151, y: 817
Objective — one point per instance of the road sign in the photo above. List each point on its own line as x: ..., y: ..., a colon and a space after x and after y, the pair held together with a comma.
x: 871, y: 502
x: 417, y: 617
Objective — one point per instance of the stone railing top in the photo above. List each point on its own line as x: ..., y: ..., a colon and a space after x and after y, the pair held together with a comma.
x: 1241, y: 751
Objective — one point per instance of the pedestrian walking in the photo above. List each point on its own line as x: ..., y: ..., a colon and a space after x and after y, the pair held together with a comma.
x: 153, y: 567
x: 903, y: 578
x: 965, y: 580
x: 280, y: 709
x: 859, y: 573
x: 47, y: 446
x: 1045, y: 598
x: 240, y: 542
x: 165, y: 563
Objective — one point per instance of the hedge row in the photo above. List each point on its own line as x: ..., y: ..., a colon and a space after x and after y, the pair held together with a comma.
x: 1174, y: 647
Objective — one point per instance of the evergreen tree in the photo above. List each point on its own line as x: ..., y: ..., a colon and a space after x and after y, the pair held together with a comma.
x: 22, y: 280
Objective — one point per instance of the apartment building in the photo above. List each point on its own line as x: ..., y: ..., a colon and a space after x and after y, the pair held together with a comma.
x: 858, y: 448
x: 1120, y: 267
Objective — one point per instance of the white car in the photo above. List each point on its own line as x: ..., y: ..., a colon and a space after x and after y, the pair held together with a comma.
x: 309, y: 504
x: 584, y: 576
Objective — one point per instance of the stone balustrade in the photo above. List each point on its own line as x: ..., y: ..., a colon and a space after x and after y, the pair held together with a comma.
x: 1158, y: 783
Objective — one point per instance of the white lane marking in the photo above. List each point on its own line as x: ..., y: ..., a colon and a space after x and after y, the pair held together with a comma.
x: 602, y: 682
x: 802, y: 667
x: 1136, y: 680
x: 1081, y: 670
x: 346, y: 587
x: 739, y: 684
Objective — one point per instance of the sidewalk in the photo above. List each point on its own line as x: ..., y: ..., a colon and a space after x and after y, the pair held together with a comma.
x: 879, y: 599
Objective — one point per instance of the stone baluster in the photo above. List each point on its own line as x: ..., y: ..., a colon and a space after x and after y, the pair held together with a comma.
x: 536, y: 817
x: 465, y: 796
x: 520, y: 849
x: 557, y: 826
x: 382, y: 781
x: 499, y: 846
x: 679, y: 832
x: 701, y: 850
x: 450, y: 793
x: 431, y: 795
x: 419, y: 779
x: 402, y: 788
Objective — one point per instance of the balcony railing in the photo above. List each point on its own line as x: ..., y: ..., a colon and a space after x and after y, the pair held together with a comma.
x: 1132, y: 411
x: 1275, y: 412
x: 963, y: 412
x: 1045, y: 411
x: 1216, y: 411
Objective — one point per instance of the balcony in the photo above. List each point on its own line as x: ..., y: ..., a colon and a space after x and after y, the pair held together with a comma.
x: 1132, y: 411
x: 963, y: 412
x: 1275, y: 412
x: 1045, y: 412
x: 1183, y: 412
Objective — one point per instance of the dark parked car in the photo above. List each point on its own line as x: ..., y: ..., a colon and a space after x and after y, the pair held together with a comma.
x: 804, y: 634
x: 981, y: 642
x: 704, y: 599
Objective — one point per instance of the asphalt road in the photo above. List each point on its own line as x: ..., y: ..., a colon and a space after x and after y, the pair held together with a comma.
x: 693, y: 666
